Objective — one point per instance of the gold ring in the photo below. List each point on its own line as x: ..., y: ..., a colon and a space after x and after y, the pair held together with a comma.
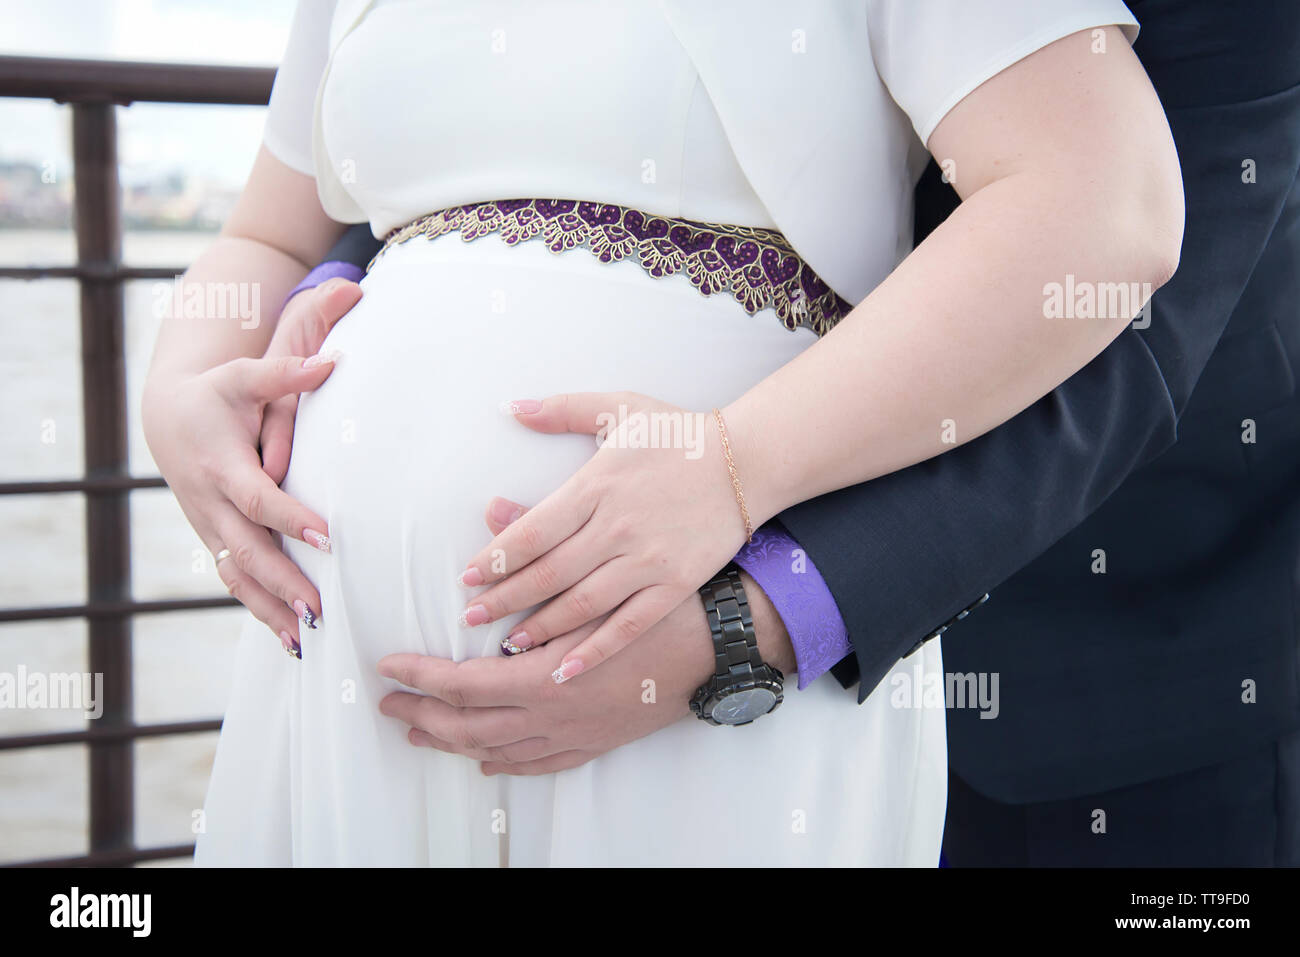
x: 223, y: 554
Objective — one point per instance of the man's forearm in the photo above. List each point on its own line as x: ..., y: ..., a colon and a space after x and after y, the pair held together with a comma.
x: 355, y: 248
x: 803, y: 606
x: 906, y: 551
x: 769, y: 630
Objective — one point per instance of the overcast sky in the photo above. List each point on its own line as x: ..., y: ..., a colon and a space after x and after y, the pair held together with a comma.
x: 214, y: 141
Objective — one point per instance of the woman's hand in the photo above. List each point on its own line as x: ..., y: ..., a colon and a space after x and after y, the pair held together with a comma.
x: 203, y: 431
x: 504, y: 713
x: 634, y: 532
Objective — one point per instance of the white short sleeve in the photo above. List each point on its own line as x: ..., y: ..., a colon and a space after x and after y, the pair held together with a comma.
x: 932, y: 53
x: 288, y: 130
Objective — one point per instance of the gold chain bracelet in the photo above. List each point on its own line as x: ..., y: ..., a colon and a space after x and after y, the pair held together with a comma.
x: 735, y: 476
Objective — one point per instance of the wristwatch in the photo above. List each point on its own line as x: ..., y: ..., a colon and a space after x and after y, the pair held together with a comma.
x: 743, y: 687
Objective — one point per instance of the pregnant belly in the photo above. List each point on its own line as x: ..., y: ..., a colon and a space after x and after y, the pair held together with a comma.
x: 405, y: 444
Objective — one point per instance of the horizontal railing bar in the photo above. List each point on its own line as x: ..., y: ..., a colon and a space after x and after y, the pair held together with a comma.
x: 117, y: 858
x: 92, y: 271
x: 105, y: 483
x: 126, y: 81
x: 93, y: 733
x: 112, y: 609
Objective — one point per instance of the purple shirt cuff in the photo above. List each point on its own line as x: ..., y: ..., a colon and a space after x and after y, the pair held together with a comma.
x: 785, y: 572
x: 329, y: 270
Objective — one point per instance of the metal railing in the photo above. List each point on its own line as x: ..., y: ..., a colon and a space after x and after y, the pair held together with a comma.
x: 94, y: 89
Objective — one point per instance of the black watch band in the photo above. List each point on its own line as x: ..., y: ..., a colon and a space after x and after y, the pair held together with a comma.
x: 726, y: 608
x: 743, y: 686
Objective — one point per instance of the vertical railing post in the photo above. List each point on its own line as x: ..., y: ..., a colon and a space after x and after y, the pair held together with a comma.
x: 108, y: 530
x: 92, y: 87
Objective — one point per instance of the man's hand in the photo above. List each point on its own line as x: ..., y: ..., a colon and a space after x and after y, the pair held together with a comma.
x: 305, y: 322
x: 503, y: 711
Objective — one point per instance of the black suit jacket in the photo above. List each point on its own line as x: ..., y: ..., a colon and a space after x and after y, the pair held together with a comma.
x: 1145, y: 670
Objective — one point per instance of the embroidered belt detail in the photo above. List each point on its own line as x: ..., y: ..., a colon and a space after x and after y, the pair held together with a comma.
x: 756, y: 266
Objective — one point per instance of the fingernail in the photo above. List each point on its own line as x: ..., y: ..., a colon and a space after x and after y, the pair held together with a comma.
x: 290, y: 648
x: 505, y: 513
x: 471, y: 578
x: 321, y: 358
x: 516, y: 644
x: 474, y: 615
x: 305, y: 613
x: 521, y: 407
x: 317, y: 540
x: 566, y: 670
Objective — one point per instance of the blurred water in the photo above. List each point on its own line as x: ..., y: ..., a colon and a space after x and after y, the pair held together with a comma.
x: 181, y: 660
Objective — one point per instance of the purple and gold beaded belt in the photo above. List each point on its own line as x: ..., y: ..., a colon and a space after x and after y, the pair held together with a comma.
x: 756, y: 266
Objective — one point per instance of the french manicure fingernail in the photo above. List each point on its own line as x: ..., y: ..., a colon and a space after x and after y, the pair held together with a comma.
x: 505, y: 513
x: 474, y: 615
x: 321, y: 358
x: 317, y: 540
x: 305, y: 613
x: 516, y: 643
x: 521, y: 407
x: 566, y: 670
x: 470, y: 578
x: 290, y: 648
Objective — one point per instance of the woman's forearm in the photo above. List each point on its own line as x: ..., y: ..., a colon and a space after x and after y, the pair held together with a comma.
x: 230, y: 298
x: 956, y: 341
x: 225, y: 306
x: 1068, y: 175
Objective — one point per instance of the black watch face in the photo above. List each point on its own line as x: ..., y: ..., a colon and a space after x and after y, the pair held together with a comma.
x: 744, y: 706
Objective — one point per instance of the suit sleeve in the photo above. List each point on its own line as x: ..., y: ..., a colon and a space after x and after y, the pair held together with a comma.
x: 907, y: 551
x: 357, y: 246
